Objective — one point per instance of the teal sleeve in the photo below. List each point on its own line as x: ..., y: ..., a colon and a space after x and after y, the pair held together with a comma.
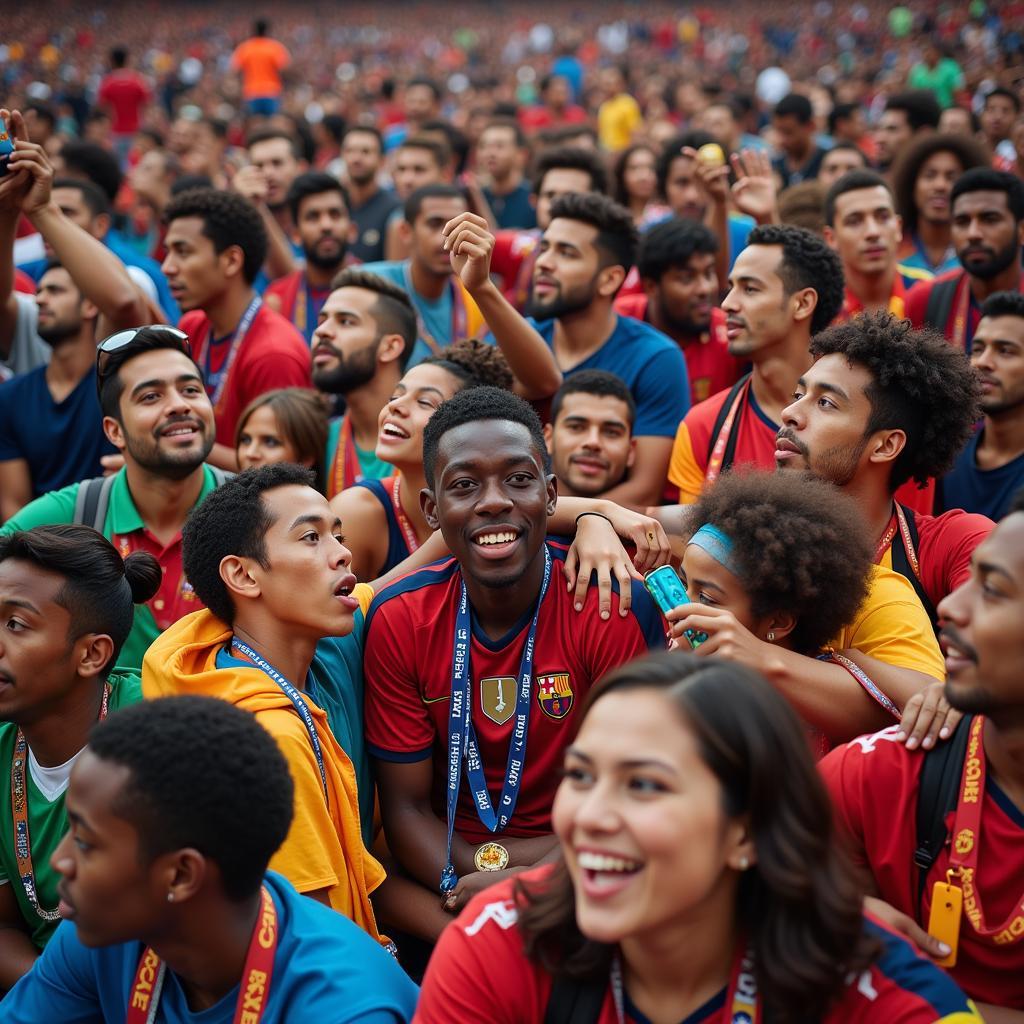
x: 47, y: 510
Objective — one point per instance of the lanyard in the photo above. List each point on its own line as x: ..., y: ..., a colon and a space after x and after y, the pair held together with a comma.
x: 19, y: 812
x: 296, y: 698
x: 306, y: 303
x: 460, y: 318
x: 898, y: 521
x: 741, y: 998
x: 462, y: 735
x: 731, y: 421
x: 345, y: 469
x: 411, y: 540
x: 236, y: 343
x: 144, y: 995
x: 966, y: 834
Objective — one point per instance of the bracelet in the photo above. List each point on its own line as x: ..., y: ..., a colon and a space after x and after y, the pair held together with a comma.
x: 600, y: 515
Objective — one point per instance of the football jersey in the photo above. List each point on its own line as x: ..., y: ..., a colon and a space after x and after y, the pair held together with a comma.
x: 408, y: 668
x: 479, y: 972
x: 883, y: 835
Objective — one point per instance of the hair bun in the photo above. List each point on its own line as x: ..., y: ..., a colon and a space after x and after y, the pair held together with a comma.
x: 143, y: 573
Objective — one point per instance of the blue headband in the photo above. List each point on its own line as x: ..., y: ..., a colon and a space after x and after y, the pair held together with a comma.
x: 712, y: 540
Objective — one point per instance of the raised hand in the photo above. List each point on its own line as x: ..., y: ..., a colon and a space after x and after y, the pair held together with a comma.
x: 469, y: 241
x: 754, y: 189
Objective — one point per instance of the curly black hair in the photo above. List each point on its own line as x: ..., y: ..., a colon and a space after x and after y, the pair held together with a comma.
x: 233, y: 520
x: 616, y: 233
x: 202, y: 774
x: 475, y: 364
x: 570, y: 158
x: 671, y: 244
x: 800, y: 544
x: 473, y: 405
x: 920, y: 384
x: 968, y: 153
x: 807, y: 262
x: 228, y: 220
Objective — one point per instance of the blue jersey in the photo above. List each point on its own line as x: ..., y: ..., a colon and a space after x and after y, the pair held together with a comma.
x: 988, y: 491
x: 326, y: 969
x: 398, y: 549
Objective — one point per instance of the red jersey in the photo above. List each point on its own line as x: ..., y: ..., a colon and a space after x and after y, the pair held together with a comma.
x: 407, y: 662
x: 125, y: 93
x: 478, y: 972
x: 852, y: 304
x: 512, y: 259
x: 272, y: 355
x: 874, y: 784
x: 708, y: 363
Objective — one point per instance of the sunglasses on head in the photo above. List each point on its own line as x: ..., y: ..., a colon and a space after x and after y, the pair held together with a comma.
x: 117, y: 346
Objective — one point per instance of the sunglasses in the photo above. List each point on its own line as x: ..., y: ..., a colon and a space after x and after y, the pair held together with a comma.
x: 112, y: 351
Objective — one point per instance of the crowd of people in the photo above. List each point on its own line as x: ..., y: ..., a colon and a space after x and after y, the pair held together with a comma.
x: 512, y: 514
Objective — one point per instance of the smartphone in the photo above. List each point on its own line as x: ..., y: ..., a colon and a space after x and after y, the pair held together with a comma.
x: 665, y: 586
x: 6, y: 147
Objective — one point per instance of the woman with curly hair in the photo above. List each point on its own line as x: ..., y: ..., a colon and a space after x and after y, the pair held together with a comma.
x: 636, y: 184
x: 923, y: 181
x: 382, y: 519
x: 696, y: 879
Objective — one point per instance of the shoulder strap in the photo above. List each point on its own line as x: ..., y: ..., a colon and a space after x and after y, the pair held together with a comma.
x: 936, y: 797
x: 92, y: 502
x: 220, y: 476
x: 902, y: 563
x: 940, y: 303
x: 574, y: 1001
x: 723, y: 414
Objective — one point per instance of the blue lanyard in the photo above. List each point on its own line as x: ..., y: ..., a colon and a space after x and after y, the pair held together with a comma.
x: 296, y: 698
x: 236, y: 343
x: 462, y: 735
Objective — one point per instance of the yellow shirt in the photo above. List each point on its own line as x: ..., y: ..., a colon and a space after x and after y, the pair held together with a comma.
x: 892, y: 626
x: 617, y: 119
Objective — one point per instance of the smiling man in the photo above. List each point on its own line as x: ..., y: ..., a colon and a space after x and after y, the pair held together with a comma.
x: 485, y: 645
x: 266, y: 557
x: 978, y: 859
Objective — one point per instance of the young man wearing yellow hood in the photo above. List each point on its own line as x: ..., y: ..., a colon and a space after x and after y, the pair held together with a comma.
x: 265, y: 555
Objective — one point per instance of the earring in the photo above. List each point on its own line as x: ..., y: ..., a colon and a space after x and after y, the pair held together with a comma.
x: 744, y: 864
x: 771, y: 636
x: 170, y: 897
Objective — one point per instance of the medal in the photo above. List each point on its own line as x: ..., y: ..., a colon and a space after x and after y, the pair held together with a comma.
x: 491, y: 857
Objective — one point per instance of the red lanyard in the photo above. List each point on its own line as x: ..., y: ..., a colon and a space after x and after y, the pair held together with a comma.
x: 345, y: 469
x: 963, y: 856
x: 741, y: 1003
x: 715, y: 462
x: 411, y: 540
x: 19, y: 811
x: 898, y: 521
x: 144, y: 995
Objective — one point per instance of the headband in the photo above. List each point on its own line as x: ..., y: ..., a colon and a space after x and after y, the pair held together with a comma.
x: 719, y: 546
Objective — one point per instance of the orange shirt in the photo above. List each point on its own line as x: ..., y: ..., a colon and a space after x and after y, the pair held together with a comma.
x: 261, y: 62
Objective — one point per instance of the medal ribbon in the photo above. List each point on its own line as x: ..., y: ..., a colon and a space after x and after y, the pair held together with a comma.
x: 19, y: 812
x: 963, y: 854
x: 345, y: 469
x: 236, y: 343
x: 254, y: 990
x: 411, y: 540
x: 296, y: 698
x: 731, y: 421
x: 740, y: 1000
x: 898, y: 521
x: 462, y: 736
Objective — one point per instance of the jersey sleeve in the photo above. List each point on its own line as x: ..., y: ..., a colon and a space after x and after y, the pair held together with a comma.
x: 662, y: 393
x: 51, y: 509
x: 398, y: 726
x: 620, y: 639
x: 685, y: 471
x: 893, y: 627
x: 958, y: 535
x: 304, y: 856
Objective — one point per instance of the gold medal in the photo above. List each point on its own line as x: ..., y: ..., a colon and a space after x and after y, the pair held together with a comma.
x: 491, y: 857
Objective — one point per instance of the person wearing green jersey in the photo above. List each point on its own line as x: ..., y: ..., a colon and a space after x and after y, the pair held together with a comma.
x: 66, y: 608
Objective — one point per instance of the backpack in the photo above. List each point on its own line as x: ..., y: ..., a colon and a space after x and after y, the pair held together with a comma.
x: 93, y: 498
x: 903, y: 562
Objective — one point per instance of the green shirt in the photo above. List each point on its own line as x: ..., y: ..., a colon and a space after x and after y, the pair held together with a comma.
x: 47, y: 821
x: 943, y: 80
x: 122, y: 518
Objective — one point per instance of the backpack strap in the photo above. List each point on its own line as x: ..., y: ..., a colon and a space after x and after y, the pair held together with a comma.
x: 936, y: 797
x: 723, y: 415
x: 574, y: 1001
x: 906, y: 562
x: 92, y: 502
x: 940, y: 303
x: 220, y: 476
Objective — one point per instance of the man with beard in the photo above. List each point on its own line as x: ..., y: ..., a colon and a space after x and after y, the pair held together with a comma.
x: 215, y: 244
x: 320, y: 209
x: 583, y: 259
x: 987, y: 233
x: 931, y: 830
x: 676, y: 263
x: 157, y: 414
x: 370, y: 206
x: 885, y: 407
x: 361, y: 346
x: 487, y: 645
x: 990, y: 470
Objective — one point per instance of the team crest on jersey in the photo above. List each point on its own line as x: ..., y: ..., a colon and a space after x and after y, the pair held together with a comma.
x: 554, y: 694
x: 498, y: 698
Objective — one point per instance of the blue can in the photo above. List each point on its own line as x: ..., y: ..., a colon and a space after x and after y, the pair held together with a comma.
x: 665, y: 586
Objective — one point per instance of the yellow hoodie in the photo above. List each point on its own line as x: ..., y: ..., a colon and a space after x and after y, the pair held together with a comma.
x: 324, y: 847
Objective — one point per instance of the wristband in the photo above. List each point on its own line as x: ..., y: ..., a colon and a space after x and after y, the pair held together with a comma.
x: 600, y: 515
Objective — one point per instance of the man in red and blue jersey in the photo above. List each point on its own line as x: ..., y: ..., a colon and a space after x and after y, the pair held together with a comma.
x: 486, y: 646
